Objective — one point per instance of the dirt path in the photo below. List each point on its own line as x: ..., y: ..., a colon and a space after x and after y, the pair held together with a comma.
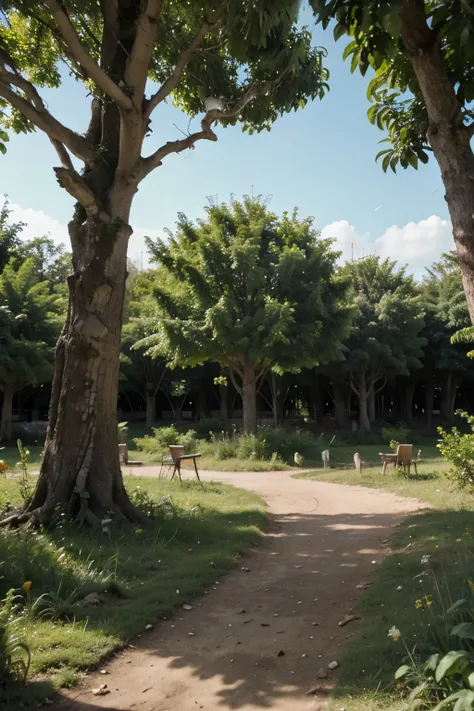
x: 258, y: 639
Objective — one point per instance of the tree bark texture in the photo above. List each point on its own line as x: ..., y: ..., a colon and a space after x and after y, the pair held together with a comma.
x: 249, y: 398
x: 80, y: 468
x: 7, y: 413
x: 371, y: 404
x: 448, y: 136
x: 408, y: 395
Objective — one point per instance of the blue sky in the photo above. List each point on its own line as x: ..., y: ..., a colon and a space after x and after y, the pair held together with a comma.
x: 320, y: 159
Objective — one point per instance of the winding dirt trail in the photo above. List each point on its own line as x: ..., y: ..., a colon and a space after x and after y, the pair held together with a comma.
x: 258, y: 639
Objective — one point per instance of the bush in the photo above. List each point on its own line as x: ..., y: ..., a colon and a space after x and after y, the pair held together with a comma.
x: 458, y: 449
x: 398, y: 433
x: 207, y: 425
x: 266, y: 445
x: 158, y: 443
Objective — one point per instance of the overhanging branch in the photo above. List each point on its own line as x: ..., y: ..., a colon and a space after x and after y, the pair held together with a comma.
x: 206, y: 132
x: 84, y: 59
x: 42, y: 118
x: 71, y: 181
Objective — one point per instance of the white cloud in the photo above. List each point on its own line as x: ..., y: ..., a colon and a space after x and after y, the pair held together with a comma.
x: 37, y: 224
x: 416, y: 244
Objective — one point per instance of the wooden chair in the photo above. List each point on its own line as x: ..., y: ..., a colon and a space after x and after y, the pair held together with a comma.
x: 178, y: 456
x: 403, y: 457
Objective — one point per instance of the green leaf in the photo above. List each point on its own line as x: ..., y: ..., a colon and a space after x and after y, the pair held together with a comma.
x: 339, y: 30
x: 413, y: 160
x: 465, y: 630
x: 3, y: 148
x: 386, y: 161
x: 402, y: 671
x: 351, y: 47
x: 424, y: 157
x: 464, y: 700
x: 431, y: 663
x: 450, y: 664
x: 391, y: 23
x: 459, y: 603
x: 372, y: 113
x: 470, y: 680
x: 4, y: 136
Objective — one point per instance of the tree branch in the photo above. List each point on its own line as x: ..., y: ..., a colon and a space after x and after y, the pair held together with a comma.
x: 237, y: 387
x: 172, y: 82
x: 63, y: 155
x: 71, y: 181
x: 136, y: 71
x: 155, y: 159
x: 41, y: 118
x: 84, y: 59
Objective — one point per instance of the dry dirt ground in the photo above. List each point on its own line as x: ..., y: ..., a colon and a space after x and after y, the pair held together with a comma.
x: 258, y: 638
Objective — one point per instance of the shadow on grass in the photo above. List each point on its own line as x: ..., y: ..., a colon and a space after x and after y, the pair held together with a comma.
x: 307, y: 574
x: 371, y: 659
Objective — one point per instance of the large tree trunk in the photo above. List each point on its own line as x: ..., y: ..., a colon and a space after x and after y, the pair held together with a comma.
x: 364, y: 422
x: 150, y: 405
x: 249, y: 398
x: 7, y: 413
x: 448, y: 137
x: 80, y: 471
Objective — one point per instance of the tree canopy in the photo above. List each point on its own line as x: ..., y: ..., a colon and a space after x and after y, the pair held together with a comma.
x: 250, y: 290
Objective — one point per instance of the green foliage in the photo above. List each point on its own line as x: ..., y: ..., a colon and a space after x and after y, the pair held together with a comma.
x: 244, y: 285
x: 244, y: 45
x: 162, y: 437
x: 205, y: 426
x: 398, y: 107
x: 399, y: 433
x: 30, y: 322
x: 458, y: 448
x: 9, y: 235
x: 14, y: 653
x: 268, y: 444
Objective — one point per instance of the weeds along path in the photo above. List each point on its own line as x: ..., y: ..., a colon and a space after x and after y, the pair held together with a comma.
x: 264, y: 636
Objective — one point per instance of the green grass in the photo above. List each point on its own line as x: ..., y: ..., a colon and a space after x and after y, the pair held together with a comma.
x: 430, y: 485
x: 142, y: 573
x: 11, y: 457
x: 369, y: 661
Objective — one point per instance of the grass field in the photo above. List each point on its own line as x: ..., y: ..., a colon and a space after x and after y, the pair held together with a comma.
x: 141, y: 573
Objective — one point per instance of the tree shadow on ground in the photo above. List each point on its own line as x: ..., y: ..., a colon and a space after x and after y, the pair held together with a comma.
x: 260, y: 638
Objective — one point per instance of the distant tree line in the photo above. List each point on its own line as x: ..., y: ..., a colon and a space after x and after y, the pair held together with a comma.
x: 247, y: 316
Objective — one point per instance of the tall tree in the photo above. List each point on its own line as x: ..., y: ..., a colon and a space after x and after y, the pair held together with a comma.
x: 30, y: 322
x: 227, y: 60
x: 422, y: 53
x: 385, y: 338
x: 250, y: 290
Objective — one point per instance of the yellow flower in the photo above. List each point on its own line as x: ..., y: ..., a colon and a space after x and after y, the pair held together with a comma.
x: 394, y: 633
x: 27, y: 586
x: 471, y: 585
x: 458, y: 540
x: 428, y: 602
x: 138, y: 531
x: 418, y: 604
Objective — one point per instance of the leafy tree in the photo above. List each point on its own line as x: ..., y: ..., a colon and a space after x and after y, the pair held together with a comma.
x: 229, y: 61
x: 52, y: 262
x: 445, y: 306
x: 385, y: 337
x: 30, y: 322
x: 9, y: 239
x: 146, y: 374
x: 251, y: 291
x: 422, y: 53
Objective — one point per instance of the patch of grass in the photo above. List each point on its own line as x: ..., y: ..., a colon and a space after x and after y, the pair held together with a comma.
x: 430, y: 485
x: 11, y: 457
x: 142, y: 573
x: 366, y: 679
